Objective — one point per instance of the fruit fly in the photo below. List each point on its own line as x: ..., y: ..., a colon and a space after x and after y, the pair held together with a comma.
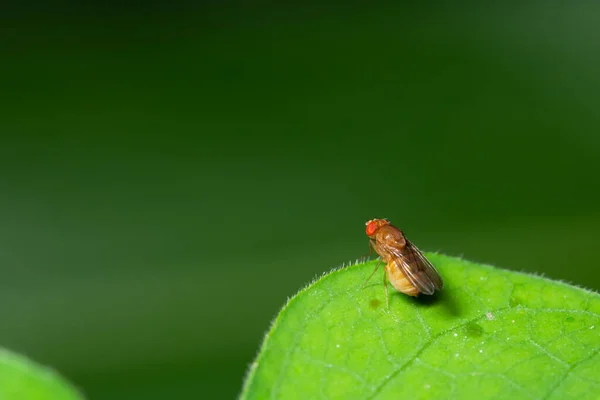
x: 408, y: 270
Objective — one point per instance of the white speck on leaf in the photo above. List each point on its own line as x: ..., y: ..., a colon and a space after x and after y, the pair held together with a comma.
x: 592, y: 327
x: 455, y: 334
x: 513, y: 321
x: 427, y: 386
x: 481, y: 351
x: 337, y: 345
x: 456, y: 355
x: 489, y: 315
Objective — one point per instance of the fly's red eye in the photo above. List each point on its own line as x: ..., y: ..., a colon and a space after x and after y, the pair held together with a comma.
x: 371, y: 228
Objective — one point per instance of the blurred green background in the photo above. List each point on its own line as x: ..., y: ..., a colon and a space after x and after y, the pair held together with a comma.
x: 171, y: 174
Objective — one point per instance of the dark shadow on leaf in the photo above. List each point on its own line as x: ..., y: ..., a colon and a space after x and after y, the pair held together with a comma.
x: 445, y: 298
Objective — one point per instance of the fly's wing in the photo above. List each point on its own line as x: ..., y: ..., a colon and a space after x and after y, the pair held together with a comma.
x: 417, y: 268
x: 431, y: 272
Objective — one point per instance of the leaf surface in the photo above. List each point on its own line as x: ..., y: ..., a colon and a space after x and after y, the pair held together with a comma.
x: 21, y: 379
x: 489, y: 334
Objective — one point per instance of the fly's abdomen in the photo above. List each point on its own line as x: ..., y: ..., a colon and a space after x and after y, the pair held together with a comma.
x: 399, y: 280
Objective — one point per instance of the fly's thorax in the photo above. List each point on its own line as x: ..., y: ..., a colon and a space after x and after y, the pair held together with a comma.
x: 391, y: 236
x: 399, y: 280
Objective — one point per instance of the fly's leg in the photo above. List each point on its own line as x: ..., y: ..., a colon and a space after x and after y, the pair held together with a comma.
x: 387, y: 299
x: 373, y: 273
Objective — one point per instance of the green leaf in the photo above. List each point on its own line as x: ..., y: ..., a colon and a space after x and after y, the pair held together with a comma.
x: 489, y: 334
x: 21, y: 379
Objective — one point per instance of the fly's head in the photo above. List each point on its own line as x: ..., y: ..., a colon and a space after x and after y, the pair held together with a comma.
x: 374, y: 225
